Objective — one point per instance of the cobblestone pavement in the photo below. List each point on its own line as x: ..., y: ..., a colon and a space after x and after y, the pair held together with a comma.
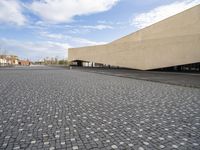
x: 187, y: 79
x: 45, y: 108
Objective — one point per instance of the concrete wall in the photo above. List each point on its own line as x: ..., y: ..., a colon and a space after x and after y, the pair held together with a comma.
x: 171, y: 42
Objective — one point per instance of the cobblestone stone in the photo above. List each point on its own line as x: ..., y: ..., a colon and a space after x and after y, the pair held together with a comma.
x: 46, y: 108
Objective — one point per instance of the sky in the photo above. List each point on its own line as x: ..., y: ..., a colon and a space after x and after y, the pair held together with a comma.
x: 37, y: 29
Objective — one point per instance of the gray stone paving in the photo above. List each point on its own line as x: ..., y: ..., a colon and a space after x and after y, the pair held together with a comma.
x: 187, y: 79
x: 172, y: 78
x: 45, y: 108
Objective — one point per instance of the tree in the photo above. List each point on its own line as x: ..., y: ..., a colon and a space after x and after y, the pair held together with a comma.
x: 62, y: 62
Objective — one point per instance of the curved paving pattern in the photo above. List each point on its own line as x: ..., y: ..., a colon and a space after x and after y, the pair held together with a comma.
x: 46, y: 108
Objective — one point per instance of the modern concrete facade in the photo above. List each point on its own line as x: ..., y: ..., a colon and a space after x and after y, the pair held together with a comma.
x: 171, y: 42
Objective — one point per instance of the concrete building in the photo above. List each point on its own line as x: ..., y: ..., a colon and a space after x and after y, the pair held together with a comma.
x: 6, y: 60
x: 173, y: 42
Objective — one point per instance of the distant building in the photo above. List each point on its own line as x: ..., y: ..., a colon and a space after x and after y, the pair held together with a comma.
x: 2, y: 60
x: 6, y: 60
x: 12, y: 59
x: 24, y: 63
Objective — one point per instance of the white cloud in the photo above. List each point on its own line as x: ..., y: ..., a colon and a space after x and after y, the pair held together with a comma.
x: 11, y: 12
x: 83, y: 29
x: 162, y: 12
x: 98, y: 27
x: 52, y: 36
x: 79, y: 42
x: 73, y: 41
x: 35, y: 50
x: 59, y: 11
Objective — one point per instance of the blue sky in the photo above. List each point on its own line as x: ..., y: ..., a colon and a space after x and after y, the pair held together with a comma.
x: 36, y: 29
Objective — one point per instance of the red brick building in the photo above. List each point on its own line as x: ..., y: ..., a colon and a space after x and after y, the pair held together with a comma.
x: 24, y: 62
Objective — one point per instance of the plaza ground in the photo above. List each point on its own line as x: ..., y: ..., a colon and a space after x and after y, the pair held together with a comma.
x: 56, y: 108
x: 187, y: 79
